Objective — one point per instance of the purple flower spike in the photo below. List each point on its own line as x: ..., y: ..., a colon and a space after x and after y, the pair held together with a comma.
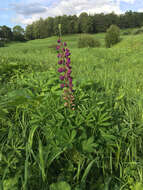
x: 60, y: 62
x: 67, y: 54
x: 62, y: 77
x: 66, y: 69
x: 69, y: 71
x: 59, y: 55
x: 58, y: 47
x: 70, y: 79
x: 68, y: 60
x: 60, y: 70
x: 68, y: 65
x: 67, y: 50
x: 62, y: 85
x: 70, y: 85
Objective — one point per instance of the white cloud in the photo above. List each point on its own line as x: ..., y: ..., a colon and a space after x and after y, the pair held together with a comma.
x: 128, y: 1
x: 140, y: 10
x: 27, y: 14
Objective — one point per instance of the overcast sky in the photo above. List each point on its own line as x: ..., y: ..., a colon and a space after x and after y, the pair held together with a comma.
x: 23, y: 12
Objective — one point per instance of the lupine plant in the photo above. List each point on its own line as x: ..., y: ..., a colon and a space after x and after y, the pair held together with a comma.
x: 65, y: 70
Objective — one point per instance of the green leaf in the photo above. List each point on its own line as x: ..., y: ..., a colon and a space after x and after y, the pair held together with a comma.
x: 31, y: 135
x: 41, y: 158
x: 62, y: 185
x: 107, y: 136
x: 89, y: 145
x: 83, y: 180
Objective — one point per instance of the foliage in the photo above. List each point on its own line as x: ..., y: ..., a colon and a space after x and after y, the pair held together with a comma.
x: 84, y: 23
x: 2, y: 43
x: 6, y: 33
x: 44, y: 145
x: 126, y: 32
x: 112, y: 36
x: 60, y: 186
x: 138, y: 31
x: 72, y: 24
x: 88, y: 41
x: 18, y: 33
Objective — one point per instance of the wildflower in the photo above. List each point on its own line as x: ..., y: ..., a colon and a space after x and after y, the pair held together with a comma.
x: 62, y: 77
x: 65, y: 44
x: 64, y: 59
x: 69, y: 71
x: 68, y: 60
x: 58, y: 47
x: 70, y: 85
x: 67, y: 54
x: 60, y: 62
x: 67, y: 50
x: 61, y: 69
x: 62, y: 85
x: 68, y: 66
x: 59, y: 55
x: 70, y: 79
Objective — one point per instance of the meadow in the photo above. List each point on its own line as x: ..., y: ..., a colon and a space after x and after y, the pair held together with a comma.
x: 97, y: 146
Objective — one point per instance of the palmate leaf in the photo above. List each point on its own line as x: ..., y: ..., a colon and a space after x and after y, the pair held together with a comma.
x: 107, y: 137
x: 11, y: 183
x: 15, y: 98
x: 89, y: 145
x: 62, y: 185
x: 138, y: 186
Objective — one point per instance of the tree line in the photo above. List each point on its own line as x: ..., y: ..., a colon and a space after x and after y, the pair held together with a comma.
x: 72, y: 24
x: 84, y: 23
x: 15, y: 34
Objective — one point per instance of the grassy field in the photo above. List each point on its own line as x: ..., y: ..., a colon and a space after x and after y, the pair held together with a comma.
x: 44, y: 145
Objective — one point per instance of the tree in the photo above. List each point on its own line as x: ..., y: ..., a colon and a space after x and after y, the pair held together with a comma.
x: 49, y: 22
x: 57, y: 21
x: 100, y: 23
x: 85, y: 23
x: 6, y: 33
x: 112, y: 36
x: 29, y: 33
x: 18, y: 33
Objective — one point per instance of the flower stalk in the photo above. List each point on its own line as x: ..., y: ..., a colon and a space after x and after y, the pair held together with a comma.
x: 65, y: 71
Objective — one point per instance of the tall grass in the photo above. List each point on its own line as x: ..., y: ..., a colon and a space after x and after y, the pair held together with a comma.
x: 43, y: 145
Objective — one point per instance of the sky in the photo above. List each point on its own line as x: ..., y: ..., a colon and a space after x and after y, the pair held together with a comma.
x: 23, y: 12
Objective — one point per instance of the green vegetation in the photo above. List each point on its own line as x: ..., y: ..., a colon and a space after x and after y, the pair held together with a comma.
x: 44, y: 145
x: 86, y: 40
x: 73, y: 24
x: 138, y: 31
x: 2, y: 44
x: 84, y: 23
x: 112, y: 36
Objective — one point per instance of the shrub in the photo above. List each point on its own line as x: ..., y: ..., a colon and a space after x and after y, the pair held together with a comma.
x: 1, y: 44
x: 127, y: 32
x: 87, y: 41
x: 53, y: 46
x: 112, y: 35
x: 138, y: 31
